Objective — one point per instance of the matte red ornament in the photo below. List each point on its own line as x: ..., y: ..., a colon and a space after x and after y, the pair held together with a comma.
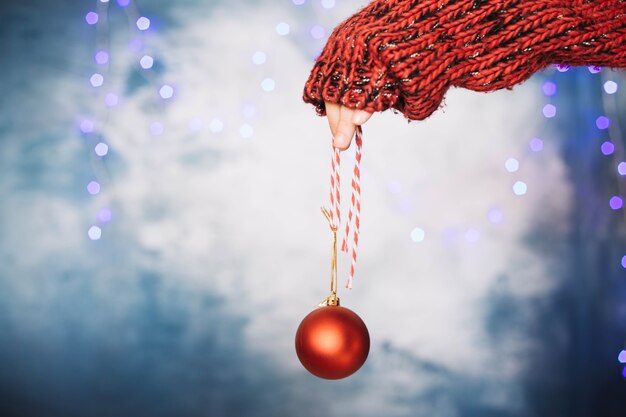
x: 332, y: 342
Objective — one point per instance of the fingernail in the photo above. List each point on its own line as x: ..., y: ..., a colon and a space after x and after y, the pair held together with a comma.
x: 339, y: 140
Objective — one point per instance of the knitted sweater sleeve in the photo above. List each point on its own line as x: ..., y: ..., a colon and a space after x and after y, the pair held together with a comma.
x: 405, y: 54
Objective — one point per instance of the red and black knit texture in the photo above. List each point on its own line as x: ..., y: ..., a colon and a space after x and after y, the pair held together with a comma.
x: 405, y: 54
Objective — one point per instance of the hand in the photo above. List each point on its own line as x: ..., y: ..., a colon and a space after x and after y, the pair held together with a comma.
x: 343, y: 122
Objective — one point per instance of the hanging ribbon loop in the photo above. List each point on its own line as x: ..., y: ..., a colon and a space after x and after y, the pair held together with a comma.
x: 354, y: 214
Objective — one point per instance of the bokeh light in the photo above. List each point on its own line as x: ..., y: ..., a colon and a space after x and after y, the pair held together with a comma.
x: 282, y: 28
x: 318, y: 32
x: 622, y: 356
x: 603, y: 122
x: 91, y: 18
x: 96, y: 79
x: 268, y: 84
x: 259, y: 58
x: 246, y: 131
x: 549, y: 88
x: 86, y: 126
x: 495, y: 215
x: 101, y: 149
x: 616, y: 202
x: 520, y: 188
x: 157, y: 128
x: 94, y: 232
x: 328, y: 4
x: 123, y: 3
x: 135, y: 45
x: 607, y: 148
x: 511, y: 164
x: 562, y: 67
x: 143, y: 23
x: 166, y: 91
x: 216, y: 125
x: 249, y: 110
x: 111, y: 99
x: 610, y: 87
x: 146, y: 62
x: 593, y: 69
x: 621, y: 168
x: 102, y: 57
x: 536, y: 145
x: 418, y: 235
x: 194, y: 124
x: 298, y: 2
x: 105, y: 215
x: 93, y: 187
x: 472, y: 235
x: 624, y: 261
x: 549, y: 111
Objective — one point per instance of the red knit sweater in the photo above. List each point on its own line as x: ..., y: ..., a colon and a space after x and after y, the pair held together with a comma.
x: 405, y: 54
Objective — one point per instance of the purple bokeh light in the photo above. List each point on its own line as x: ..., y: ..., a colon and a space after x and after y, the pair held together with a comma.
x: 594, y: 69
x: 102, y: 57
x: 123, y: 3
x: 603, y: 122
x: 111, y: 99
x: 616, y: 202
x: 536, y: 145
x: 495, y: 216
x: 105, y: 215
x: 93, y: 187
x: 194, y: 124
x: 607, y: 148
x: 562, y: 67
x: 249, y: 110
x: 318, y: 32
x: 621, y: 168
x: 91, y: 18
x: 624, y: 263
x: 86, y: 126
x: 328, y: 4
x: 298, y: 2
x: 135, y: 45
x: 549, y: 88
x: 549, y: 111
x: 157, y: 128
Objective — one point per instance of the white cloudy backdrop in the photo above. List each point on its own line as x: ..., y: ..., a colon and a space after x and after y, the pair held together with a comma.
x: 201, y: 212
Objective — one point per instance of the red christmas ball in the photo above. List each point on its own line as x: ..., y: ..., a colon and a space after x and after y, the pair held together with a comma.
x: 332, y: 342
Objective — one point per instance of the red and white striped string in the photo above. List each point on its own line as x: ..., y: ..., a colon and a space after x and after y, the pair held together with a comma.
x: 355, y: 202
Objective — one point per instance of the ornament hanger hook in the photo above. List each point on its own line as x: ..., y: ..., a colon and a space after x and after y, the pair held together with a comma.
x: 332, y: 299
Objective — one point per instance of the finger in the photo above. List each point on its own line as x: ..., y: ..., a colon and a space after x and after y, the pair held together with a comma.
x: 345, y: 129
x: 360, y: 117
x: 333, y: 112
